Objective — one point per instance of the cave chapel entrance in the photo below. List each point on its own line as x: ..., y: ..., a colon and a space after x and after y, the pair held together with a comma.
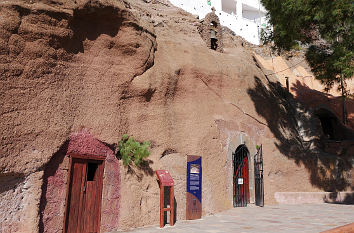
x: 84, y: 195
x: 241, y: 194
x: 330, y: 124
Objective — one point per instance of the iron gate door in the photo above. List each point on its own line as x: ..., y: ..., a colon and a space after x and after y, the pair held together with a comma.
x: 258, y: 174
x: 240, y: 177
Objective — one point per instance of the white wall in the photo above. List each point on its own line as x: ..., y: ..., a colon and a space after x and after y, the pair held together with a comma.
x: 252, y: 15
x: 228, y: 6
x: 254, y: 3
x: 243, y: 20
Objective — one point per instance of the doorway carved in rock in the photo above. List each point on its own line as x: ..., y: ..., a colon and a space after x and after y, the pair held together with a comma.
x: 84, y: 195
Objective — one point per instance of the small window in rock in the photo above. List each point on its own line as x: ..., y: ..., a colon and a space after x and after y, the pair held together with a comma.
x: 91, y: 171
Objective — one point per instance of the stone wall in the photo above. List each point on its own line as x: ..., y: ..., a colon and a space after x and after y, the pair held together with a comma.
x: 204, y: 30
x: 107, y: 69
x: 19, y: 195
x: 54, y: 188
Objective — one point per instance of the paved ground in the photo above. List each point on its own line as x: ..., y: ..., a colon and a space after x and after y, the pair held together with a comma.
x: 281, y: 218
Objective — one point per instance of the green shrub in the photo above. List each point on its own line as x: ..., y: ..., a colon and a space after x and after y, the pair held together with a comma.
x: 133, y: 151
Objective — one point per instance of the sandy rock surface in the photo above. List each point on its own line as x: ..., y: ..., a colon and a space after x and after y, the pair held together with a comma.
x: 141, y: 68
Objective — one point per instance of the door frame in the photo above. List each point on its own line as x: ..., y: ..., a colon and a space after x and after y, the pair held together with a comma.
x: 84, y: 157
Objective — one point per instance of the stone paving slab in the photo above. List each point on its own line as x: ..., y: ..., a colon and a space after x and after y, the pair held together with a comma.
x: 278, y: 218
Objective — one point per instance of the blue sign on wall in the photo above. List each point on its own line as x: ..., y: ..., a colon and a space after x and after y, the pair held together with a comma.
x: 194, y: 187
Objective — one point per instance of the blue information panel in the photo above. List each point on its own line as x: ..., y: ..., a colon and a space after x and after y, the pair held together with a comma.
x: 194, y: 187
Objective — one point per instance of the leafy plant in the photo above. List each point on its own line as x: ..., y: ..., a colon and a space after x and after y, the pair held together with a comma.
x: 133, y: 151
x: 326, y: 27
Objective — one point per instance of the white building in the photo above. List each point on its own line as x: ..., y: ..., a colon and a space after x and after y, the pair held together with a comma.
x: 244, y: 17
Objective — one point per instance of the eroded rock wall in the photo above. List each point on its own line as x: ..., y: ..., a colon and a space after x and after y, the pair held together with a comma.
x: 101, y: 65
x: 50, y: 65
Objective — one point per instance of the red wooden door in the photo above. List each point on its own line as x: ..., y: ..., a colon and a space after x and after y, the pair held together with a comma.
x: 84, y: 196
x: 242, y: 171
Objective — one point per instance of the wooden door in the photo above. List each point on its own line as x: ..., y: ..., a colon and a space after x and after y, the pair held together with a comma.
x: 84, y: 196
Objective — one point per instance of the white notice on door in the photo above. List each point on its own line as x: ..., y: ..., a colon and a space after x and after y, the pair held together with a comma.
x: 240, y: 181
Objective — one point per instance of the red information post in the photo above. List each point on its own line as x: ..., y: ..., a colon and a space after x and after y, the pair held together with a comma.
x: 165, y: 181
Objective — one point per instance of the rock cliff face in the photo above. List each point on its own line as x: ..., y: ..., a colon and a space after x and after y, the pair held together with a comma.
x: 115, y: 67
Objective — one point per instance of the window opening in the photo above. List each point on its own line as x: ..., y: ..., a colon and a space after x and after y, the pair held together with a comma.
x: 228, y: 6
x: 91, y: 171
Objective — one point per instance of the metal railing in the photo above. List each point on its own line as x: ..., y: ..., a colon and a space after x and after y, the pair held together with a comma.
x: 258, y: 175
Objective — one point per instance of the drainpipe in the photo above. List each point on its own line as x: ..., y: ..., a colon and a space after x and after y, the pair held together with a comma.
x: 287, y: 84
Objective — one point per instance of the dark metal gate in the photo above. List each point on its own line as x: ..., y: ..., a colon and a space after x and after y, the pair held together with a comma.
x: 258, y: 174
x: 240, y: 177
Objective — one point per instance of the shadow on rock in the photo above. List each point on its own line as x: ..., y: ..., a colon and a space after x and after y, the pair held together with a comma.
x: 91, y: 21
x: 49, y: 171
x: 143, y: 169
x: 332, y: 104
x: 298, y: 132
x: 339, y: 198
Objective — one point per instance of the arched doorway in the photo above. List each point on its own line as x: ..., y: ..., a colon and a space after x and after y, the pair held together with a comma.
x: 328, y: 120
x: 213, y: 36
x: 241, y: 194
x: 211, y: 31
x: 331, y: 125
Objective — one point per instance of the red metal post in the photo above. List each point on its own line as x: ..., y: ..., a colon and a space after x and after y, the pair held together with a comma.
x: 165, y: 181
x: 172, y: 206
x: 162, y: 212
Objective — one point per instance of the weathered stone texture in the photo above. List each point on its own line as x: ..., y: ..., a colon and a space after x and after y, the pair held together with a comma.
x: 101, y: 65
x: 204, y: 30
x: 54, y: 188
x: 19, y: 202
